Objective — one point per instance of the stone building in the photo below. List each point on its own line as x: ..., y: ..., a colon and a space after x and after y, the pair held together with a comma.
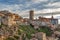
x: 2, y: 38
x: 8, y: 18
x: 51, y: 20
x: 31, y: 15
x: 40, y: 36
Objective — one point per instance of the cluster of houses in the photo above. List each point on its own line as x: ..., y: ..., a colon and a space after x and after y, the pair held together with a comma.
x: 10, y: 19
x: 41, y: 21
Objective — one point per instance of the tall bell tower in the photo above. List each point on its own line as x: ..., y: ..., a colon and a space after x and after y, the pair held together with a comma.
x: 31, y: 15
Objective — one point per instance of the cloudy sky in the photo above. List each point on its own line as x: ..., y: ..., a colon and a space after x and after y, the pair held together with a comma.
x: 22, y: 7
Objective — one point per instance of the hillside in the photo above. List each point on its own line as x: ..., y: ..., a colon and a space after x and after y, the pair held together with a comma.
x: 26, y: 31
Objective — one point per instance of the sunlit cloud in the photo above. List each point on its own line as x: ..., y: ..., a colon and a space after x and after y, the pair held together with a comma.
x: 24, y: 6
